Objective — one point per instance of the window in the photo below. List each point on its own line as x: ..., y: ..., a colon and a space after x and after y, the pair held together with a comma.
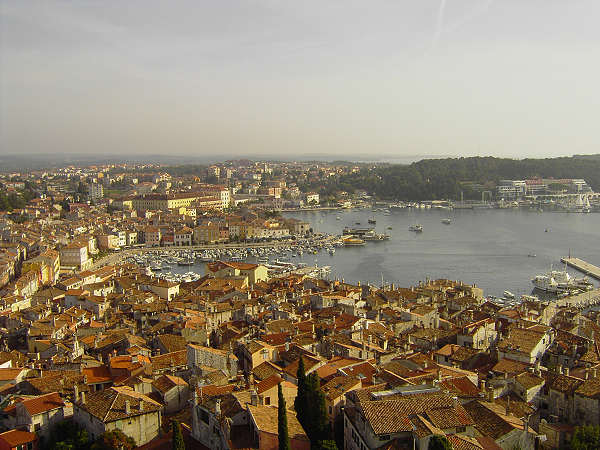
x: 267, y: 400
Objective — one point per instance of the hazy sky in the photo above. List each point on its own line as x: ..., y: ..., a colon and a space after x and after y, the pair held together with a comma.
x: 280, y: 77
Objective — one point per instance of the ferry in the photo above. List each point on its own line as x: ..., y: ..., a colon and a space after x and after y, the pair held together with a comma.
x: 416, y: 228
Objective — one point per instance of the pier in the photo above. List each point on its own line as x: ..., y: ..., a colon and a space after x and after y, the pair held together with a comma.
x: 582, y: 266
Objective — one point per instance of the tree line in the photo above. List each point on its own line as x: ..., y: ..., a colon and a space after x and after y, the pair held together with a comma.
x: 436, y: 179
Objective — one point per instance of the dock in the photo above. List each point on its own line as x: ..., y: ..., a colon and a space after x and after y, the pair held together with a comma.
x: 582, y: 266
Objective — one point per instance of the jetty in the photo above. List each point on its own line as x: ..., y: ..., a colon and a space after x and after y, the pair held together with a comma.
x: 582, y: 266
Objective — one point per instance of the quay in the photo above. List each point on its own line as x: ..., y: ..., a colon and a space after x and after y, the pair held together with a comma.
x: 582, y: 266
x: 583, y: 300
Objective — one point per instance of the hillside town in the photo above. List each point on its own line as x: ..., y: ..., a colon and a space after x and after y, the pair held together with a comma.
x: 91, y: 339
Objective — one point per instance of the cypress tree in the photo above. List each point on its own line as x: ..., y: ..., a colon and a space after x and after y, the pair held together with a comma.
x: 301, y: 401
x: 317, y: 428
x: 282, y: 426
x: 178, y: 443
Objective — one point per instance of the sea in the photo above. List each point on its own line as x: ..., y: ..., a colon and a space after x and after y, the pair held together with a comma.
x: 492, y: 248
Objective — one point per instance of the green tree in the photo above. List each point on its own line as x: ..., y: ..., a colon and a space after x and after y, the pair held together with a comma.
x: 282, y: 425
x: 325, y: 445
x: 114, y: 440
x: 67, y: 435
x: 178, y: 443
x: 586, y: 437
x: 300, y: 403
x: 318, y: 428
x: 438, y: 442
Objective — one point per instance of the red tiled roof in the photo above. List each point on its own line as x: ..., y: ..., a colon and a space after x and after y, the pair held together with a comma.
x: 43, y: 403
x: 17, y: 437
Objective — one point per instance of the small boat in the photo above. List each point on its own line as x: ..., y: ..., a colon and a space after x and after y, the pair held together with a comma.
x: 372, y: 221
x: 338, y: 218
x: 447, y: 221
x: 416, y: 228
x: 389, y: 228
x: 357, y: 223
x: 508, y: 294
x: 531, y: 255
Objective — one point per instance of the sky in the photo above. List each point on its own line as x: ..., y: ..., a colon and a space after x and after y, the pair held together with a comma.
x: 351, y: 79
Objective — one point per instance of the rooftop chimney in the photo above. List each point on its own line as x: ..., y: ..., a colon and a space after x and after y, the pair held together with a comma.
x: 218, y: 407
x: 83, y: 398
x: 566, y: 371
x: 254, y: 397
x: 127, y: 407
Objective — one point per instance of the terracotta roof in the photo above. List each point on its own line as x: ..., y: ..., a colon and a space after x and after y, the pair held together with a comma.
x: 109, y: 405
x: 43, y: 403
x: 268, y: 383
x: 265, y: 418
x: 165, y: 383
x: 99, y: 374
x: 173, y: 359
x: 393, y: 416
x: 17, y: 437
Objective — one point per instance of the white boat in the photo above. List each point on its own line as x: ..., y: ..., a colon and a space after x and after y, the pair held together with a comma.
x: 416, y: 228
x: 559, y: 281
x: 447, y: 221
x: 508, y: 294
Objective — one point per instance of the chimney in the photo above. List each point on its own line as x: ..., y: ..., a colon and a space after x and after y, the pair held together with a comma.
x: 560, y: 369
x: 587, y: 373
x: 75, y: 392
x: 254, y: 397
x: 218, y: 407
x: 82, y: 398
x: 490, y: 393
x: 594, y: 372
x: 127, y: 407
x: 566, y: 371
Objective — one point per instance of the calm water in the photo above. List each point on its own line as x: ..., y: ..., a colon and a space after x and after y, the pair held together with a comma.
x: 487, y: 247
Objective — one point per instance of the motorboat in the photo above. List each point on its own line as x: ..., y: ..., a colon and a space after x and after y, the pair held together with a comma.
x: 508, y: 294
x: 416, y: 228
x: 447, y: 221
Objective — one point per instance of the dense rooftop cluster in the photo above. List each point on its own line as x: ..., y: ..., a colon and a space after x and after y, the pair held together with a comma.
x: 105, y: 345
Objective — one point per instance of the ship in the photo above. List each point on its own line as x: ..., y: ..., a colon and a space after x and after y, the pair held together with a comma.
x: 357, y: 231
x: 560, y: 282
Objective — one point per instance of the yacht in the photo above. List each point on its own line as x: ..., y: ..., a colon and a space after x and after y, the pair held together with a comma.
x: 416, y: 228
x: 559, y: 282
